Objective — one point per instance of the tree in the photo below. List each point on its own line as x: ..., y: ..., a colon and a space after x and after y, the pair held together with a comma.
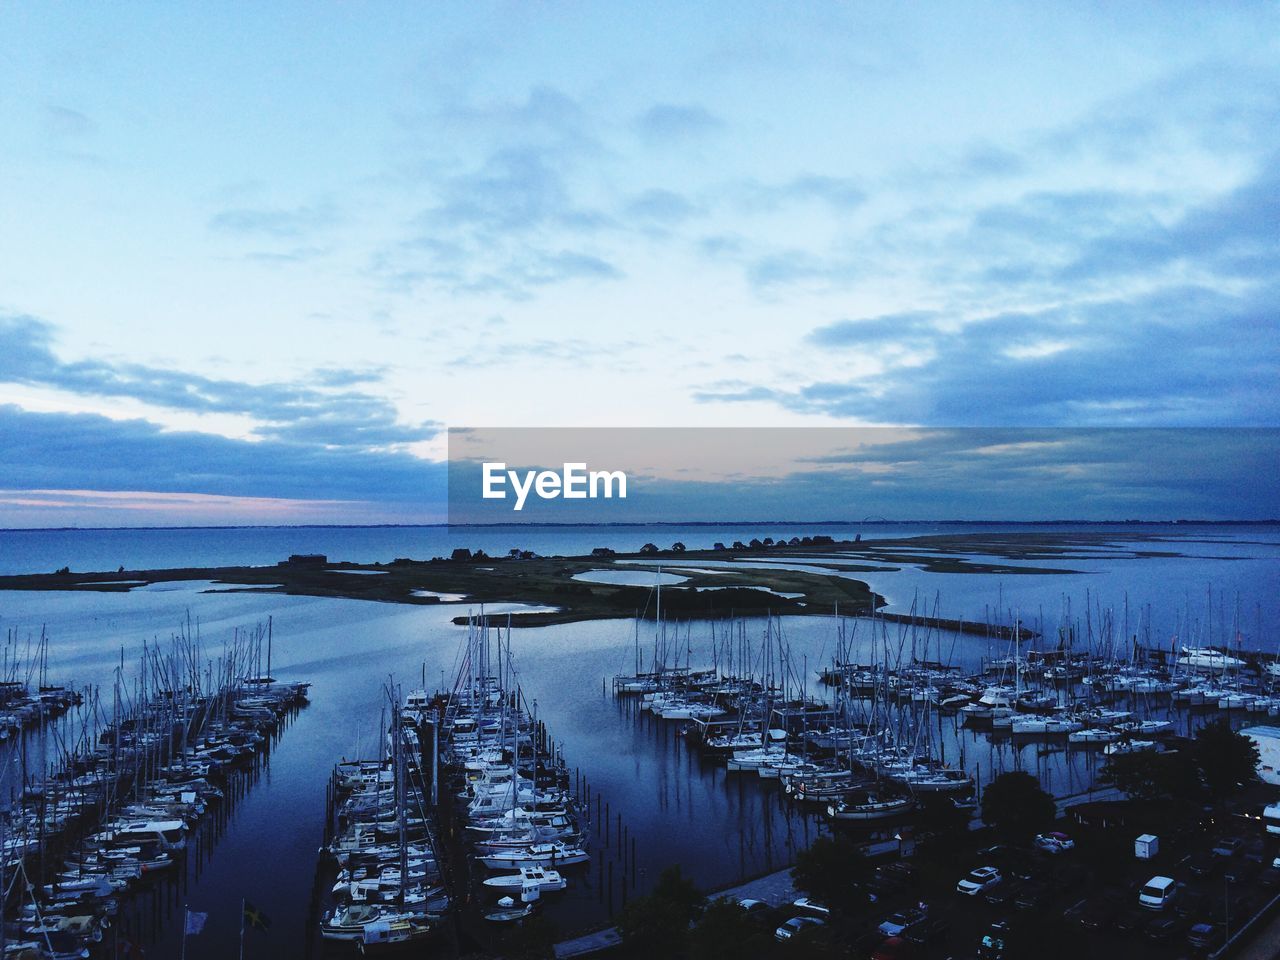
x: 658, y: 925
x: 533, y: 938
x: 946, y: 826
x: 1227, y: 759
x: 652, y: 927
x: 829, y: 872
x: 677, y: 889
x: 1147, y: 776
x: 1016, y: 806
x: 677, y: 547
x: 1136, y: 775
x: 726, y: 932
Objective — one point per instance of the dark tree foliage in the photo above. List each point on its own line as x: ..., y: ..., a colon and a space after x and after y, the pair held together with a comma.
x: 1227, y: 759
x: 658, y: 925
x: 725, y: 932
x: 677, y: 889
x: 1147, y: 776
x: 534, y: 938
x: 813, y: 943
x: 943, y: 826
x: 829, y: 872
x: 1016, y: 806
x: 652, y: 927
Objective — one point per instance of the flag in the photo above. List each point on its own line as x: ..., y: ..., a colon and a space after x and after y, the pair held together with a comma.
x: 254, y: 918
x: 195, y: 923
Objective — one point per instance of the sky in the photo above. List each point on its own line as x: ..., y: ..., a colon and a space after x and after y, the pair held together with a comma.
x: 255, y: 259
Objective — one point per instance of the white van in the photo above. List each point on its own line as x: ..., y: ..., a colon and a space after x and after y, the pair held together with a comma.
x: 1157, y: 892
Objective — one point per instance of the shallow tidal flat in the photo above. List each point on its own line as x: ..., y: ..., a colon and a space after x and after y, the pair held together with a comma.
x: 793, y: 578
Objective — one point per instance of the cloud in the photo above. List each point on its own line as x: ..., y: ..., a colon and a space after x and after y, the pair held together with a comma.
x: 1084, y: 364
x: 1053, y: 306
x: 849, y: 473
x: 507, y: 226
x: 894, y: 328
x: 665, y: 123
x: 660, y: 207
x: 280, y: 223
x: 568, y: 350
x: 516, y: 189
x: 796, y: 266
x: 840, y: 193
x: 65, y: 122
x: 327, y: 412
x: 68, y: 452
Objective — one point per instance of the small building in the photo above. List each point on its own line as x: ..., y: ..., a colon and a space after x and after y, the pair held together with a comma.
x: 1268, y: 742
x: 649, y: 548
x: 602, y: 552
x: 460, y: 553
x: 305, y: 560
x: 717, y: 545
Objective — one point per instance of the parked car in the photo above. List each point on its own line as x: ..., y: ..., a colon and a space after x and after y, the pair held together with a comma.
x: 978, y: 880
x: 1201, y: 864
x: 808, y: 905
x: 896, y: 924
x: 1094, y: 913
x: 1163, y: 927
x: 1228, y: 847
x: 1157, y: 893
x: 1241, y: 870
x: 1033, y: 895
x: 893, y: 877
x: 794, y: 926
x: 1130, y: 922
x: 992, y: 944
x: 1099, y: 916
x: 928, y: 933
x: 1194, y: 903
x: 1054, y: 842
x: 1002, y: 893
x: 753, y: 906
x: 1204, y: 935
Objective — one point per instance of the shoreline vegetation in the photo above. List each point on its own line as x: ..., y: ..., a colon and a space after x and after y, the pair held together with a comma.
x: 798, y: 577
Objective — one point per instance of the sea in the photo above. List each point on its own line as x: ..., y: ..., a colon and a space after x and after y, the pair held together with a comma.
x: 1222, y: 584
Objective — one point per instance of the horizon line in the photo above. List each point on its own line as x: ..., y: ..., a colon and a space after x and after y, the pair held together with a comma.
x: 879, y: 521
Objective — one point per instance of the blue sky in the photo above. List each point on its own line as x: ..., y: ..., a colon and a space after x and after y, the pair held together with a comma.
x: 256, y: 258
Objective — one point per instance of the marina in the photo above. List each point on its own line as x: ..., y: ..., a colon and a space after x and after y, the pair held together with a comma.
x: 757, y: 734
x: 111, y: 799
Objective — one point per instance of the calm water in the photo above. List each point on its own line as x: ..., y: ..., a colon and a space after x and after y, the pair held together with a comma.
x: 722, y: 828
x: 35, y: 551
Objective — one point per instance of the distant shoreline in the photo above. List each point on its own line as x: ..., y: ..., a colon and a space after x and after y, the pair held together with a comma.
x: 1181, y: 522
x: 818, y: 579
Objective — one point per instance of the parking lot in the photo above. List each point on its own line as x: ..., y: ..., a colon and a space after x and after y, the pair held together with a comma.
x: 1076, y: 897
